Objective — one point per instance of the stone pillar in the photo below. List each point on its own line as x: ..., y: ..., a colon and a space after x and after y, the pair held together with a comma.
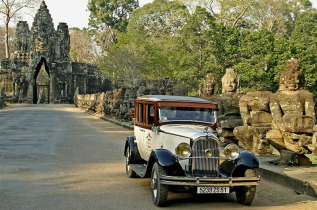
x: 30, y: 90
x: 85, y: 86
x: 52, y: 88
x: 52, y: 83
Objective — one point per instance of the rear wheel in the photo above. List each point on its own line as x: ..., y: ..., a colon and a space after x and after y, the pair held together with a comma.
x: 128, y: 169
x: 246, y: 194
x: 159, y: 190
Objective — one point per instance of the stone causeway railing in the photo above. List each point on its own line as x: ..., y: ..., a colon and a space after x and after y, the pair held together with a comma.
x: 2, y: 98
x: 118, y: 103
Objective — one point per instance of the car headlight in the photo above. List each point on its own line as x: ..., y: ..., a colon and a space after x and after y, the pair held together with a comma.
x: 231, y: 151
x: 183, y: 150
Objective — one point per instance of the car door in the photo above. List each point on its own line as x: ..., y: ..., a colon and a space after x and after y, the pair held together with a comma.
x: 149, y: 136
x: 139, y: 131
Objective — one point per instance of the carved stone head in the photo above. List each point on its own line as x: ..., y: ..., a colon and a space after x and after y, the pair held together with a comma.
x: 210, y: 85
x: 292, y: 78
x: 230, y: 82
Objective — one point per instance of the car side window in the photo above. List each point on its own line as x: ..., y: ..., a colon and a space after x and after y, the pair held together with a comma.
x: 149, y: 114
x: 140, y: 113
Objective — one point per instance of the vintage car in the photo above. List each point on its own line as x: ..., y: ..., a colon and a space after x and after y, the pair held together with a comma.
x: 175, y: 144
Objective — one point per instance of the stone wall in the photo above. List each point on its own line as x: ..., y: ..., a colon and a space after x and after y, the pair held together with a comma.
x: 2, y: 98
x: 119, y: 103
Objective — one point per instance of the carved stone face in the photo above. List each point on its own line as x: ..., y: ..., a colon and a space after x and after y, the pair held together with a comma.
x: 230, y: 82
x: 209, y: 89
x: 230, y: 85
x: 292, y: 86
x: 210, y: 85
x: 292, y: 78
x: 293, y: 83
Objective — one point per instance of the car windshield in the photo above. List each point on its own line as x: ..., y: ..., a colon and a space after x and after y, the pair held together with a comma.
x: 170, y: 114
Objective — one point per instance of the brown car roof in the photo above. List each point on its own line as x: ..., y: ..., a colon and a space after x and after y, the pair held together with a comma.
x: 173, y: 98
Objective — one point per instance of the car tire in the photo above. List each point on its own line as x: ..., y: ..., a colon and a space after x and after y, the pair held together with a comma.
x: 246, y: 194
x: 129, y: 171
x: 159, y: 190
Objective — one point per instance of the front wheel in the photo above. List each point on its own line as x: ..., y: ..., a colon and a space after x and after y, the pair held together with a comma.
x: 246, y: 194
x: 129, y: 171
x: 159, y: 190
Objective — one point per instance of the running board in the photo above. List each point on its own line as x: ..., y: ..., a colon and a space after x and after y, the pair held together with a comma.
x: 140, y: 169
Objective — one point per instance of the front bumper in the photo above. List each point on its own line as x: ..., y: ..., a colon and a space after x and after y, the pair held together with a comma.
x: 210, y: 182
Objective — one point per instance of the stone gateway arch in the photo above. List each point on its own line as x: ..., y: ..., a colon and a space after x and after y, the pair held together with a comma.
x: 42, y: 48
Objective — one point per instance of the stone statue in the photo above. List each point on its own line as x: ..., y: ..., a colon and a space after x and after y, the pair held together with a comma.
x: 127, y: 112
x: 141, y: 88
x: 75, y: 96
x: 169, y: 87
x: 293, y: 111
x: 210, y: 86
x: 228, y: 103
x: 313, y: 145
x: 2, y: 97
x: 257, y: 119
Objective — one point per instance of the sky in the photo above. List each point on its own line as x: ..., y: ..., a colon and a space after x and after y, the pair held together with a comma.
x: 74, y: 12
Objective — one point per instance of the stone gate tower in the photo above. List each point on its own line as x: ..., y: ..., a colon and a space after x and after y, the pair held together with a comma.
x: 43, y: 47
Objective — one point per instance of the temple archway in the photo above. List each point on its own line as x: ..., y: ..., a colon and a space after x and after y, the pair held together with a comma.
x: 41, y: 85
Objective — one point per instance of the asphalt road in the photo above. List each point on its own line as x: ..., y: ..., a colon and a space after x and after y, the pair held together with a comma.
x: 59, y: 157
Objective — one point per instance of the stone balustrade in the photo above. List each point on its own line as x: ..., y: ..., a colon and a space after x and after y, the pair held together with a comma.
x: 2, y: 98
x: 119, y: 103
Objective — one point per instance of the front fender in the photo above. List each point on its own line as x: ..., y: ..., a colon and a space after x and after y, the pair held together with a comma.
x: 166, y: 159
x: 236, y: 168
x: 246, y: 160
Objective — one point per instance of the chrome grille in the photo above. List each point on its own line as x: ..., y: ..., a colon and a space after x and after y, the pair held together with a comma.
x: 205, y: 166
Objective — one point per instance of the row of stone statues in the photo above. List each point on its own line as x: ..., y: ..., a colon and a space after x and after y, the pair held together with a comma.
x: 258, y: 119
x: 119, y: 103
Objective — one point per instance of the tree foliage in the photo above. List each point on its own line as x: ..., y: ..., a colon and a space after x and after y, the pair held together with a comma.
x: 10, y: 9
x: 83, y: 48
x: 2, y: 41
x: 304, y: 42
x: 160, y: 17
x: 195, y: 55
x: 185, y: 40
x: 111, y: 13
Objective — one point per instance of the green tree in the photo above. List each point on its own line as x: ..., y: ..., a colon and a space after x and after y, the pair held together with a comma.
x: 10, y: 9
x: 154, y: 29
x: 282, y: 52
x: 225, y: 47
x: 195, y: 56
x: 304, y: 42
x: 111, y: 13
x: 124, y: 60
x: 255, y: 67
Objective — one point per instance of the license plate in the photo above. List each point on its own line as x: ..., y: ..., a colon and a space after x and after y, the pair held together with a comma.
x: 211, y: 190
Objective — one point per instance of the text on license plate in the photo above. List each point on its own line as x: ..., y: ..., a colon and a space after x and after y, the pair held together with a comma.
x: 209, y: 190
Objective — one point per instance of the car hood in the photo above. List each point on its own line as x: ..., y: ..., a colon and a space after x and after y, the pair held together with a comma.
x: 185, y: 130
